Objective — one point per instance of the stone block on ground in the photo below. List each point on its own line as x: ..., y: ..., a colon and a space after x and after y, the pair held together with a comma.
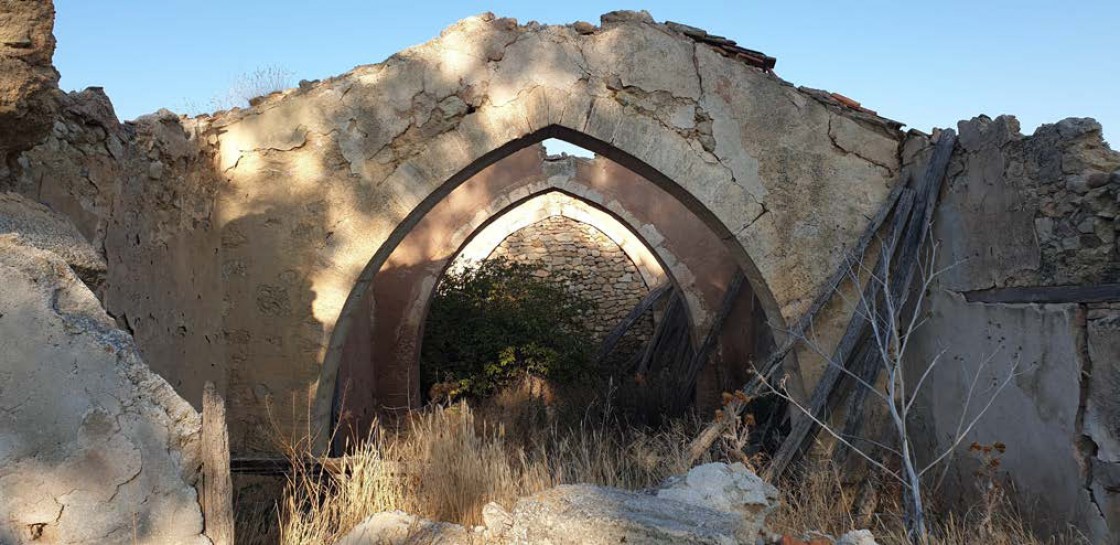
x: 590, y: 515
x: 400, y: 528
x: 857, y: 537
x: 729, y: 488
x: 94, y: 447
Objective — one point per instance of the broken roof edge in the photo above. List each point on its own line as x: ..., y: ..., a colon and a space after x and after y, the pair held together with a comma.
x: 724, y: 46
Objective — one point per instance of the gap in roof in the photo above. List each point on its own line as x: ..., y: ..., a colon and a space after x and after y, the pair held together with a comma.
x: 555, y: 146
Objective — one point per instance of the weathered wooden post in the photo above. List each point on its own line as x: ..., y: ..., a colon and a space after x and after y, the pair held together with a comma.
x: 216, y: 492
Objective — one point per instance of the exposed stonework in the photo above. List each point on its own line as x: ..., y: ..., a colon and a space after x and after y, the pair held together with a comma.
x: 78, y: 166
x: 1031, y: 211
x: 381, y: 350
x: 1037, y: 211
x: 94, y: 447
x: 143, y: 195
x: 600, y: 269
x: 28, y: 80
x: 250, y: 235
x: 241, y: 247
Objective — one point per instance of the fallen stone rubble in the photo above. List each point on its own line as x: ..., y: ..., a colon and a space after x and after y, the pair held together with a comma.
x: 714, y: 504
x: 94, y: 446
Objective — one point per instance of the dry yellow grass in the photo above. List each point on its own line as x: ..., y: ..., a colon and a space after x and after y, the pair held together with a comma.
x: 446, y: 464
x: 818, y: 502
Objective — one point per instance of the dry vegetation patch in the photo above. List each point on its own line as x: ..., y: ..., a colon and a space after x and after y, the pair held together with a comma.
x: 446, y: 463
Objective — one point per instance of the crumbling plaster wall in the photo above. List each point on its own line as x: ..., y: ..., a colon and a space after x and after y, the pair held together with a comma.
x: 236, y: 241
x: 30, y: 82
x: 1036, y: 212
x: 346, y: 161
x: 381, y: 351
x: 144, y: 195
x: 94, y: 446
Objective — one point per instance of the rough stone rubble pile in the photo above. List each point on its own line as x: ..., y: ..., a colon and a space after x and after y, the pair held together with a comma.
x: 714, y: 504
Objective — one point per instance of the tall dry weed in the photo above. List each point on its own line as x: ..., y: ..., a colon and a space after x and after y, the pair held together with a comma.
x: 446, y: 463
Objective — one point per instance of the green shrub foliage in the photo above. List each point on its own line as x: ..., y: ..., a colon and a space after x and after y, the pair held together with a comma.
x: 497, y: 322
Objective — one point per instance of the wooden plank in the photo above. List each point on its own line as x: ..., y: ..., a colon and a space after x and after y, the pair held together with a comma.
x: 1100, y: 293
x: 912, y: 235
x: 313, y: 466
x: 216, y: 494
x: 612, y: 339
x: 925, y: 201
x: 672, y: 311
x: 700, y: 357
x: 855, y: 336
x: 711, y: 432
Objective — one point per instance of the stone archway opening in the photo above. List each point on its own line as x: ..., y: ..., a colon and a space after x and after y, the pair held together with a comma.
x: 560, y: 236
x: 662, y: 238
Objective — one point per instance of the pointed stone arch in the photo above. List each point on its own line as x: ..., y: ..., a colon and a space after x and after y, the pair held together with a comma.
x: 557, y: 203
x: 786, y: 177
x: 378, y: 359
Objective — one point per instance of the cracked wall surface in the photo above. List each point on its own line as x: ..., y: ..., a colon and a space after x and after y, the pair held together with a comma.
x: 94, y: 446
x: 238, y: 245
x: 238, y: 242
x: 1032, y: 212
x: 30, y: 83
x: 381, y: 354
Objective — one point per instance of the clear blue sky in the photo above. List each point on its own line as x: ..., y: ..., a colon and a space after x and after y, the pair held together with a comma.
x: 923, y: 63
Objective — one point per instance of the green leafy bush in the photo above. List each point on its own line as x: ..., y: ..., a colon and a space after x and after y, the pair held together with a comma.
x: 494, y: 323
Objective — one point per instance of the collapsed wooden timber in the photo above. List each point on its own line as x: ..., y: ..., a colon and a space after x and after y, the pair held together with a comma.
x: 912, y: 209
x: 645, y: 305
x: 669, y: 350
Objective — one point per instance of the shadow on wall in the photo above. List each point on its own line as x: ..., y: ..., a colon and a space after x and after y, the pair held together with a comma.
x: 358, y: 160
x: 272, y: 364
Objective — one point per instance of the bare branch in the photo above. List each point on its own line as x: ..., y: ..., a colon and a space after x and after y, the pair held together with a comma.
x: 870, y: 459
x: 972, y: 424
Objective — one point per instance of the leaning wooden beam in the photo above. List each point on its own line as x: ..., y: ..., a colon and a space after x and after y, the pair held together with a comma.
x: 908, y: 238
x: 703, y: 352
x: 868, y: 367
x: 309, y: 466
x: 217, y: 485
x: 708, y: 436
x: 674, y: 309
x: 851, y: 343
x: 612, y: 339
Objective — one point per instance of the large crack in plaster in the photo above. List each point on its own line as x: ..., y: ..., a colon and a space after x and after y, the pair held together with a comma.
x: 836, y: 144
x: 1085, y: 446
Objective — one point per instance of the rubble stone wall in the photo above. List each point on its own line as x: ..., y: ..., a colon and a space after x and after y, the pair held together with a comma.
x: 601, y: 271
x: 1023, y: 218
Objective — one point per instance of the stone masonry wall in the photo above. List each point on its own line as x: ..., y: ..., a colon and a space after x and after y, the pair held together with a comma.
x: 1023, y: 216
x: 1031, y: 211
x: 236, y: 241
x: 602, y: 272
